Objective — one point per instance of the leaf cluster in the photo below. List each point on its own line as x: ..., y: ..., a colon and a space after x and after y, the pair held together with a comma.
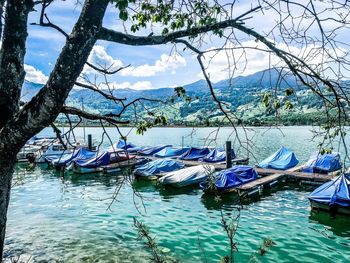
x: 187, y: 16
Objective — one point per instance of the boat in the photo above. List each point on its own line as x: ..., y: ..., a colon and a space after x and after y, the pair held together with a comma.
x: 187, y: 176
x: 41, y: 141
x: 47, y: 153
x: 282, y: 159
x: 217, y: 155
x: 156, y: 168
x: 149, y: 151
x: 194, y: 154
x: 103, y: 158
x: 127, y: 146
x: 322, y: 163
x: 77, y: 154
x: 132, y: 162
x: 333, y: 196
x: 171, y: 152
x: 27, y: 153
x: 227, y: 180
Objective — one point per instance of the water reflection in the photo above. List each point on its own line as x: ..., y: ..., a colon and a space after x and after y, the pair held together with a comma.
x: 144, y: 186
x: 338, y: 224
x: 169, y: 192
x: 65, y: 217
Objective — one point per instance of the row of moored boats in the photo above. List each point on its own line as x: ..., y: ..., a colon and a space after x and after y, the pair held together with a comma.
x: 165, y: 163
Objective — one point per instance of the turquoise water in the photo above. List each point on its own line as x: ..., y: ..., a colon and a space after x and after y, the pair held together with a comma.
x: 66, y: 219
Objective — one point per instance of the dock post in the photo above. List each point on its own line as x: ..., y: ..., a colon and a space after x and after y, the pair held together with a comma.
x: 228, y: 154
x: 90, y: 141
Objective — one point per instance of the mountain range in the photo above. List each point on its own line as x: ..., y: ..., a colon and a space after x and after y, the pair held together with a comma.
x: 242, y: 95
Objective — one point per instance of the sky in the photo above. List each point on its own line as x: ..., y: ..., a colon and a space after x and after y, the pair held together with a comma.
x: 150, y: 66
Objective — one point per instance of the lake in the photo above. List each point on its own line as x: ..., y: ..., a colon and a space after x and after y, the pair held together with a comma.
x: 71, y: 218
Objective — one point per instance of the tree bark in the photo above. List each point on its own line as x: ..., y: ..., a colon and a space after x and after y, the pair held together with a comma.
x: 6, y: 170
x: 12, y: 57
x: 42, y: 110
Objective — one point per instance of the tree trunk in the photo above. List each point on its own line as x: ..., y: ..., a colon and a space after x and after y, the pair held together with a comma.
x: 12, y: 57
x: 6, y: 170
x: 17, y: 126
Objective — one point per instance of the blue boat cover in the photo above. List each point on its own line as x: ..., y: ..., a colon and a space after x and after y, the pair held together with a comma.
x: 122, y: 145
x: 335, y: 192
x: 283, y: 159
x: 157, y: 167
x: 147, y: 151
x: 322, y: 163
x: 194, y: 154
x: 171, y: 152
x: 129, y: 147
x: 77, y: 154
x: 36, y: 138
x: 217, y: 155
x: 233, y: 177
x: 99, y: 159
x: 52, y: 158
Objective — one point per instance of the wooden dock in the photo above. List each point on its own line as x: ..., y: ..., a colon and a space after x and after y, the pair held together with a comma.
x: 218, y: 166
x: 269, y: 177
x: 272, y: 176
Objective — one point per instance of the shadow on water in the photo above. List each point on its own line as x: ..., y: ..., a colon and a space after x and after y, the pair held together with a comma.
x: 144, y: 186
x: 108, y: 180
x: 338, y: 224
x: 212, y: 202
x: 169, y: 192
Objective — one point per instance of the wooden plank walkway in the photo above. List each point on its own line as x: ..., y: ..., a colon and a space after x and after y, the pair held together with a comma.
x: 218, y: 166
x: 260, y: 182
x: 268, y: 176
x: 294, y: 173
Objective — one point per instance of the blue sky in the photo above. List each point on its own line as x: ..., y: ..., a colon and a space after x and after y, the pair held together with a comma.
x: 151, y: 66
x: 44, y: 45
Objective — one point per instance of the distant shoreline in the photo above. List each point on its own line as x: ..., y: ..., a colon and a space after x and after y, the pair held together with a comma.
x: 189, y: 126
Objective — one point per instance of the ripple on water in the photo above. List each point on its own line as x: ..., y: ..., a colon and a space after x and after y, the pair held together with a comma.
x: 53, y: 219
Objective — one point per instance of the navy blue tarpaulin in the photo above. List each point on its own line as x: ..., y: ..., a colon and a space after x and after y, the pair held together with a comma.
x: 157, y: 167
x: 194, y: 154
x: 100, y: 159
x: 77, y: 154
x: 233, y: 177
x: 217, y: 155
x: 148, y: 151
x: 171, y: 152
x: 128, y: 146
x: 281, y: 160
x: 335, y: 192
x: 322, y: 163
x: 122, y: 145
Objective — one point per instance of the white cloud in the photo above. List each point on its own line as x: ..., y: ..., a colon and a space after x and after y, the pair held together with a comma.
x: 139, y: 85
x: 252, y: 56
x: 163, y: 64
x: 100, y: 57
x: 34, y: 75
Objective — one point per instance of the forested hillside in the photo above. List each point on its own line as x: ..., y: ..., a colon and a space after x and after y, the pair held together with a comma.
x: 258, y: 99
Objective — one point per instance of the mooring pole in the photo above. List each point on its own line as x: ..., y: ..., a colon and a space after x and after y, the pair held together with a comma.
x: 90, y: 141
x: 228, y: 154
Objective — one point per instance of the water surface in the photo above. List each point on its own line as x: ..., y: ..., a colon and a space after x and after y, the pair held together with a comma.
x: 66, y: 219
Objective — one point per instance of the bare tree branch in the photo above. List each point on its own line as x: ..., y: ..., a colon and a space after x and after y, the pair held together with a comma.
x: 91, y: 116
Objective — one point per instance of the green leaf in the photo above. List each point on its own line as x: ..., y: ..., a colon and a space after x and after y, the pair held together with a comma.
x: 165, y: 31
x: 266, y: 99
x: 277, y: 104
x: 288, y: 91
x: 123, y: 15
x: 288, y: 105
